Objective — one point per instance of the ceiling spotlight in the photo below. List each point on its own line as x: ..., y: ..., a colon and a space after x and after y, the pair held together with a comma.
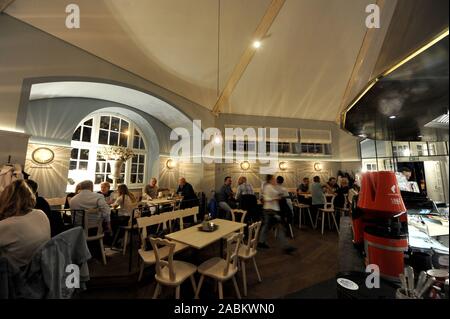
x: 256, y: 44
x: 420, y: 136
x: 392, y: 117
x: 362, y: 135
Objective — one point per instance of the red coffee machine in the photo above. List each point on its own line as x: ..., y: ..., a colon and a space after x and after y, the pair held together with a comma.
x: 380, y: 223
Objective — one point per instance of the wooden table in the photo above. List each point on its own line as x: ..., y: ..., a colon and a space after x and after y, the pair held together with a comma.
x: 198, y: 239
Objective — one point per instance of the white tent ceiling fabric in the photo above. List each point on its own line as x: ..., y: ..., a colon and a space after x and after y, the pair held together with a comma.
x: 300, y: 71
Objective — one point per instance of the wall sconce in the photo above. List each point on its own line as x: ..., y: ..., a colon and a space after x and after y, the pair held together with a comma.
x: 245, y: 165
x: 283, y: 166
x: 171, y: 164
x: 318, y: 167
x: 43, y: 155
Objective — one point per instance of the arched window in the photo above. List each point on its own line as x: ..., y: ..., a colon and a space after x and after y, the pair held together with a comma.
x: 97, y: 131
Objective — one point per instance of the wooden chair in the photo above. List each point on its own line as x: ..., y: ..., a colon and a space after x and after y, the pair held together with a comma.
x: 248, y: 251
x: 148, y: 257
x: 301, y: 208
x: 89, y: 221
x: 222, y: 269
x: 328, y: 210
x: 135, y: 213
x: 170, y: 272
x: 183, y: 213
x: 235, y: 218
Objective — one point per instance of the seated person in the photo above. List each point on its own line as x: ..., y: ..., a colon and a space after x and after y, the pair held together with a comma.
x: 55, y: 218
x: 243, y: 188
x: 105, y: 190
x: 332, y: 186
x: 23, y: 229
x: 186, y: 190
x: 70, y: 196
x: 125, y: 201
x: 151, y: 190
x: 302, y: 190
x: 87, y: 199
x: 225, y: 197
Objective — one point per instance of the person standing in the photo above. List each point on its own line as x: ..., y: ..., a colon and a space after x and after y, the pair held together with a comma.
x: 271, y: 213
x: 317, y: 195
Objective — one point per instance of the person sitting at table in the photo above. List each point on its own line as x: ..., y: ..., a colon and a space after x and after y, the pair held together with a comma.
x: 332, y: 185
x: 87, y: 199
x: 125, y: 204
x: 105, y: 190
x: 243, y: 188
x: 186, y: 190
x: 55, y: 219
x: 23, y: 229
x: 302, y: 190
x: 226, y: 197
x: 70, y: 196
x: 151, y: 190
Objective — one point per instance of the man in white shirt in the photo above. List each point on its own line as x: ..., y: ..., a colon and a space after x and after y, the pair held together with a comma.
x: 87, y: 199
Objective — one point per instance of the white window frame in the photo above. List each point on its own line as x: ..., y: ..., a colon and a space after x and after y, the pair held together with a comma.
x: 93, y: 147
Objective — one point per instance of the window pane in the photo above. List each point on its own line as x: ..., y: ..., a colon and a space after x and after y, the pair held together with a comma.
x: 136, y: 133
x: 88, y: 123
x: 109, y: 180
x: 136, y: 142
x: 113, y: 138
x: 84, y: 154
x: 134, y: 168
x: 304, y: 148
x: 83, y: 165
x: 121, y: 179
x: 115, y: 122
x: 108, y: 168
x: 76, y: 134
x: 133, y: 178
x: 141, y: 144
x: 141, y: 169
x: 318, y: 148
x: 311, y: 148
x: 73, y: 165
x: 122, y: 170
x: 100, y: 167
x: 99, y: 178
x: 134, y: 160
x: 123, y: 140
x: 87, y: 134
x: 140, y: 178
x: 141, y: 159
x: 104, y: 122
x: 103, y: 137
x: 74, y: 153
x: 124, y: 127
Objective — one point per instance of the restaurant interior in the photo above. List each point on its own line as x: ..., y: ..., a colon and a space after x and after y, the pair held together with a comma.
x: 224, y: 149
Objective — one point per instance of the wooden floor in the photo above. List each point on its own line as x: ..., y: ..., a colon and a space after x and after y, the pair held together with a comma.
x: 314, y: 262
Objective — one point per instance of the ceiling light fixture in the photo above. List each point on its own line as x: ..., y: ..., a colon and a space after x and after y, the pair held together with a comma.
x: 392, y: 117
x: 256, y: 44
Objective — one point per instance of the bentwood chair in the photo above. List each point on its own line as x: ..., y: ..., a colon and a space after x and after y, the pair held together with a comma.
x: 248, y: 251
x: 170, y: 272
x: 302, y: 207
x: 222, y: 270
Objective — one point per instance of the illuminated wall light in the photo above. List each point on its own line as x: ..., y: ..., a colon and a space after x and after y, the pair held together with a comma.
x: 245, y: 165
x: 171, y: 164
x: 43, y: 156
x: 283, y: 166
x: 318, y: 167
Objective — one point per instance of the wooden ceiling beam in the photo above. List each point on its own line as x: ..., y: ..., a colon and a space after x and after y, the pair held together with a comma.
x: 5, y: 4
x: 239, y: 69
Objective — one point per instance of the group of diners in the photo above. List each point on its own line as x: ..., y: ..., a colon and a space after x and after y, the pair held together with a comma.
x: 27, y: 220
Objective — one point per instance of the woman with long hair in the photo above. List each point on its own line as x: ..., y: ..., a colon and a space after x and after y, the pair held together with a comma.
x: 125, y: 201
x: 23, y: 229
